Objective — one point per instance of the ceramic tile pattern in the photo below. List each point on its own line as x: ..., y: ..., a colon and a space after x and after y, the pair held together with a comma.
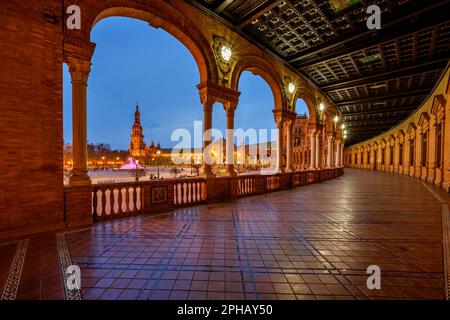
x: 313, y: 242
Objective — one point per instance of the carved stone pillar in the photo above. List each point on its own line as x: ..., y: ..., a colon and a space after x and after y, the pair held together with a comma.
x: 318, y: 151
x: 432, y: 150
x: 289, y: 124
x: 229, y: 109
x: 418, y: 157
x: 312, y: 151
x: 207, y: 126
x: 330, y: 139
x: 337, y: 154
x: 279, y: 125
x: 79, y: 71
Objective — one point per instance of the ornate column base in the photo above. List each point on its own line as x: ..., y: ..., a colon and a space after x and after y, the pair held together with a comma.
x: 79, y: 179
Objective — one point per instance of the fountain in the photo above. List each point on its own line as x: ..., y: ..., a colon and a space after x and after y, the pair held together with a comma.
x: 131, y: 165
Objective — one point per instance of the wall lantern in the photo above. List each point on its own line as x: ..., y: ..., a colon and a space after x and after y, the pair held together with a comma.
x: 226, y: 53
x: 336, y: 119
x: 291, y: 88
x: 343, y: 126
x: 321, y: 106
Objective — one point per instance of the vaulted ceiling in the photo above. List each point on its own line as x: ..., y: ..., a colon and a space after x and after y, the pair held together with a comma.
x: 375, y: 77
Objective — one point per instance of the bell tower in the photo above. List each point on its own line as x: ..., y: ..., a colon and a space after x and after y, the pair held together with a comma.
x: 137, y: 144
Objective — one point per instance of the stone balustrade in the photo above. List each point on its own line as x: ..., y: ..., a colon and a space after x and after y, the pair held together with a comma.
x: 114, y: 200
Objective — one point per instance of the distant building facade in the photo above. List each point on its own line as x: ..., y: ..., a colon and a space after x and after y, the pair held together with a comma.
x: 138, y: 148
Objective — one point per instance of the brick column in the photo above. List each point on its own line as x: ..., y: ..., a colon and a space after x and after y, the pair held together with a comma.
x: 229, y: 109
x: 79, y: 71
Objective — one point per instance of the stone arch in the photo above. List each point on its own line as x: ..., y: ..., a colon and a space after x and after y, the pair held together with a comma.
x: 261, y: 67
x: 159, y: 14
x: 308, y: 97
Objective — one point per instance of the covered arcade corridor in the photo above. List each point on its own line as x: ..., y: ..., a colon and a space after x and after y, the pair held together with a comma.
x: 356, y: 178
x: 306, y: 243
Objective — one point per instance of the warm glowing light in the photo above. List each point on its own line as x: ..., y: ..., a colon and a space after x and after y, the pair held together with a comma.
x: 103, y: 158
x: 321, y: 106
x: 336, y: 119
x: 291, y: 88
x: 159, y: 152
x: 343, y: 126
x: 226, y: 53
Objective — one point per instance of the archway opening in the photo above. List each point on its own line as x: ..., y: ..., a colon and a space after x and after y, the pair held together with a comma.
x: 137, y: 65
x: 254, y: 118
x: 301, y: 152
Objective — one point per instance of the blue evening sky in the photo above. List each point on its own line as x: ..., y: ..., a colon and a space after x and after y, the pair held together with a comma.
x: 133, y: 61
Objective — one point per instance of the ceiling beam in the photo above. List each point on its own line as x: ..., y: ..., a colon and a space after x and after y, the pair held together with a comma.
x: 351, y: 123
x: 269, y: 5
x: 362, y: 37
x: 402, y: 71
x: 223, y: 6
x: 379, y: 111
x: 392, y: 96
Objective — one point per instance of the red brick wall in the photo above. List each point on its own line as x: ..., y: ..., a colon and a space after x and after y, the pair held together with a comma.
x: 31, y: 196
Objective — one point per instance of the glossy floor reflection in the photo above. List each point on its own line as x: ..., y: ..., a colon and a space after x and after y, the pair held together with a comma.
x: 313, y: 242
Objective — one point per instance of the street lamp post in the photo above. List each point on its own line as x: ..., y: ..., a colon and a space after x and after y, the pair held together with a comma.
x: 159, y: 153
x: 137, y: 168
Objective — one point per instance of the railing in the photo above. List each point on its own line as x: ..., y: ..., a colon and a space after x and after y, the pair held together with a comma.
x: 117, y: 199
x: 272, y: 183
x: 112, y: 200
x: 246, y: 185
x: 189, y: 192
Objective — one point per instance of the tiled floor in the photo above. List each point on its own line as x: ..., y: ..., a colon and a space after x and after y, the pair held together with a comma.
x: 313, y: 242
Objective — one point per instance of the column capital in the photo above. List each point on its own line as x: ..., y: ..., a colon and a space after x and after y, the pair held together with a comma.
x: 77, y: 48
x: 230, y: 107
x: 213, y: 92
x: 282, y: 116
x: 79, y: 69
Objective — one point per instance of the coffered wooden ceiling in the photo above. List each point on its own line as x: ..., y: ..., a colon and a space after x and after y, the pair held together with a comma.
x: 375, y: 77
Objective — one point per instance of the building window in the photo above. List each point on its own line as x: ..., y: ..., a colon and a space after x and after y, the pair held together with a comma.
x: 411, y: 152
x: 391, y: 155
x: 400, y: 154
x: 424, y: 149
x: 361, y: 158
x: 383, y: 153
x: 368, y: 157
x: 439, y: 145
